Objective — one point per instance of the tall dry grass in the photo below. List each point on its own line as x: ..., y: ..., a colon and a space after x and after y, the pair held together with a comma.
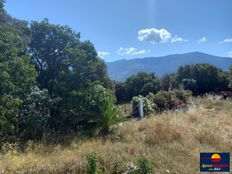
x: 171, y: 141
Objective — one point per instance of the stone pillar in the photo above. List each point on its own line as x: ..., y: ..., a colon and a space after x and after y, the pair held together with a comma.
x: 141, y: 114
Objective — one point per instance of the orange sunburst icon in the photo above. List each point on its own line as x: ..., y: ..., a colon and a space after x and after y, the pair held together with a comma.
x: 216, y: 158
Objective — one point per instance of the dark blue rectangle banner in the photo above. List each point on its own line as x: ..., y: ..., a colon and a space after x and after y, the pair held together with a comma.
x: 215, y: 162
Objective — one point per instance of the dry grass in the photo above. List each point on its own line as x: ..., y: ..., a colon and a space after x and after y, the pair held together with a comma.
x: 171, y: 141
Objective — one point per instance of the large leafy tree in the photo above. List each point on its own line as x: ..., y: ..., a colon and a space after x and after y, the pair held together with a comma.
x: 19, y: 26
x: 139, y: 84
x: 67, y: 68
x: 206, y: 78
x: 17, y: 76
x: 58, y: 52
x: 168, y: 82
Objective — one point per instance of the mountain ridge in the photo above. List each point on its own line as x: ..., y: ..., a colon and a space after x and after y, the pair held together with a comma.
x: 121, y: 69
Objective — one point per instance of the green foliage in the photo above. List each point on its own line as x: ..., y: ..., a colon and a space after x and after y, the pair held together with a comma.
x: 204, y: 78
x: 102, y: 112
x: 61, y: 57
x: 67, y: 68
x: 160, y: 100
x: 73, y: 91
x: 131, y: 168
x: 17, y: 76
x: 148, y: 106
x: 168, y: 82
x: 35, y: 114
x: 92, y: 163
x: 190, y: 84
x: 18, y: 26
x: 165, y: 100
x: 121, y: 92
x: 165, y: 82
x: 139, y: 84
x: 144, y: 166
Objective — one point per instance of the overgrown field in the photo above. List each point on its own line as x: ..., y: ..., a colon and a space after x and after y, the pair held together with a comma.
x: 171, y: 141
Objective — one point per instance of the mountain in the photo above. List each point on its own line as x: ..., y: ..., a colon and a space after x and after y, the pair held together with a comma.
x: 122, y: 69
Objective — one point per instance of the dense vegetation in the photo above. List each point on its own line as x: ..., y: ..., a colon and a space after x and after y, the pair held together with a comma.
x: 198, y: 78
x: 55, y: 93
x: 54, y: 84
x: 206, y: 126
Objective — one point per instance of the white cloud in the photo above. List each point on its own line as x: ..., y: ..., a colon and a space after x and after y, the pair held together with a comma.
x: 178, y: 39
x: 227, y: 40
x: 154, y: 35
x: 131, y: 51
x: 229, y: 53
x: 103, y: 54
x: 203, y: 39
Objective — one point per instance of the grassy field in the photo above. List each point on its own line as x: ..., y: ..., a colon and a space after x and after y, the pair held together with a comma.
x: 171, y: 141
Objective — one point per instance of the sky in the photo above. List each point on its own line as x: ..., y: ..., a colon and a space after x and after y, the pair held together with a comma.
x: 127, y: 29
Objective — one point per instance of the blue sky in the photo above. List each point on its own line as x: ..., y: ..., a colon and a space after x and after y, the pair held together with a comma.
x: 139, y: 28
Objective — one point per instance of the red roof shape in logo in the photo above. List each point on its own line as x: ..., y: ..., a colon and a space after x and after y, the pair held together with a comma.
x: 216, y: 158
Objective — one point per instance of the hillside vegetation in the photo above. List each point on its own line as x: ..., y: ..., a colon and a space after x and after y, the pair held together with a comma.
x: 171, y: 141
x: 61, y: 113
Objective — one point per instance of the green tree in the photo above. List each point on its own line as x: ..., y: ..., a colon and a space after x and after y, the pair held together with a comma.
x: 17, y: 76
x: 67, y: 68
x: 165, y: 82
x: 208, y: 77
x: 121, y: 92
x: 190, y: 84
x: 139, y: 84
x: 16, y: 25
x: 168, y: 82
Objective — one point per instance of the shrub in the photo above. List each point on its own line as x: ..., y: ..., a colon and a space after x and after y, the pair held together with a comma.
x: 165, y: 100
x: 131, y: 168
x: 160, y: 101
x: 102, y: 112
x: 144, y: 166
x: 92, y: 163
x: 148, y: 106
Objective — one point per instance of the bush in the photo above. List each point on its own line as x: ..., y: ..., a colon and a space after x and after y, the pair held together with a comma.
x: 131, y: 168
x: 102, y: 113
x: 92, y: 163
x: 166, y: 100
x: 144, y: 166
x: 148, y: 106
x: 160, y: 101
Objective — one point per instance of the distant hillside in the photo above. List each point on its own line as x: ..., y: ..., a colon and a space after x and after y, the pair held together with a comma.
x: 122, y: 69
